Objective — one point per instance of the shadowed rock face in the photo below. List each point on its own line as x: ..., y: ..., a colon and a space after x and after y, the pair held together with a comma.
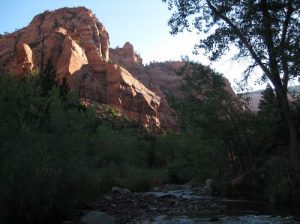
x: 77, y: 45
x: 160, y: 77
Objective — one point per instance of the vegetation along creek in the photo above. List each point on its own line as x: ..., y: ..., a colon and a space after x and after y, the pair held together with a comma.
x: 91, y: 134
x: 185, y: 204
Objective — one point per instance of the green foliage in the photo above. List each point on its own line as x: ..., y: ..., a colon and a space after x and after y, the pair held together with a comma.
x: 41, y: 166
x: 220, y: 139
x: 271, y: 41
x: 57, y: 154
x: 268, y: 102
x: 142, y: 179
x: 47, y: 78
x: 269, y: 118
x: 208, y: 116
x: 268, y: 24
x: 174, y: 152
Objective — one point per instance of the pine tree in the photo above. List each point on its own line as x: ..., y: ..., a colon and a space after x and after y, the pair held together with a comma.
x: 268, y: 102
x: 47, y: 78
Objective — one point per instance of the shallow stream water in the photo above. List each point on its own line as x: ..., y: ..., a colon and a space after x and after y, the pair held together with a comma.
x: 205, y: 209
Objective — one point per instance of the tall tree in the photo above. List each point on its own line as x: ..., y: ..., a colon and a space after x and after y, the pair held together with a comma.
x: 268, y: 31
x: 47, y: 78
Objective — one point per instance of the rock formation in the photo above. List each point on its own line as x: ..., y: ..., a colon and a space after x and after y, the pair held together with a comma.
x: 160, y: 77
x: 77, y: 45
x: 126, y: 55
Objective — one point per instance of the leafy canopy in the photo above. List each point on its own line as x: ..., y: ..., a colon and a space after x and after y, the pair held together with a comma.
x: 266, y: 30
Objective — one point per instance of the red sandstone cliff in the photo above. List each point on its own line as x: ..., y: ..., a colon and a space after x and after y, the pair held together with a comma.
x: 160, y: 77
x: 77, y: 44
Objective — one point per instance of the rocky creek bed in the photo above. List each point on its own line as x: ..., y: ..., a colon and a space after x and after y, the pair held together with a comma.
x: 183, y: 204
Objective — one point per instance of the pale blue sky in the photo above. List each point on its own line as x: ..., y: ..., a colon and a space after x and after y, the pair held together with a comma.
x: 141, y: 22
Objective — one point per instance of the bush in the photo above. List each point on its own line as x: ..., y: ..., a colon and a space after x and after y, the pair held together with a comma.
x: 142, y: 179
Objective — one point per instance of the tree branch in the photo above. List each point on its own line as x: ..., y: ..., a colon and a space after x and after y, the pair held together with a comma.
x: 285, y: 25
x: 242, y: 38
x: 249, y: 70
x: 268, y: 36
x: 283, y: 57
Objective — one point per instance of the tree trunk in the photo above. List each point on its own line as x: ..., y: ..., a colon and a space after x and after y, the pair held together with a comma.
x: 293, y: 138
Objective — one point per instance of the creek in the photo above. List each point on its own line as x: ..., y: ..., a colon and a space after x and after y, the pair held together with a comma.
x: 187, y: 206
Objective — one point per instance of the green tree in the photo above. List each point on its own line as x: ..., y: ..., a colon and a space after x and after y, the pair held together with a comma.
x: 271, y: 128
x: 64, y: 89
x: 211, y: 114
x: 268, y: 31
x: 47, y: 78
x: 52, y: 148
x: 268, y: 102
